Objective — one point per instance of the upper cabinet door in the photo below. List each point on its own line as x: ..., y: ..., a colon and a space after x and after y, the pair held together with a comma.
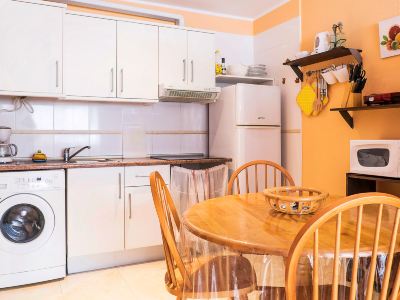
x: 173, y: 56
x: 90, y: 61
x: 31, y: 48
x: 137, y: 54
x: 201, y: 59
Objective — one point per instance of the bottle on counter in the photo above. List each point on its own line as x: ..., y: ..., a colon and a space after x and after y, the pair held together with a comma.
x: 218, y: 65
x: 223, y: 66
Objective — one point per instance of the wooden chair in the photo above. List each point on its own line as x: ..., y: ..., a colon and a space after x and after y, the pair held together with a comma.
x: 231, y: 275
x: 262, y: 165
x: 311, y: 240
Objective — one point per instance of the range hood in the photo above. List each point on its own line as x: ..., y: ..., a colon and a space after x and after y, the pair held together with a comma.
x: 170, y: 93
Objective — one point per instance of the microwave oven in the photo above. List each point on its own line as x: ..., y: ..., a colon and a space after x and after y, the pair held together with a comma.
x: 375, y: 157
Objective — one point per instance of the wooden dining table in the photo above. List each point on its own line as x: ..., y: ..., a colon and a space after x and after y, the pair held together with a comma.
x: 246, y: 223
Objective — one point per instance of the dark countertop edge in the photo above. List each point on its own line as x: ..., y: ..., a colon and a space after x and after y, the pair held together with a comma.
x: 31, y: 166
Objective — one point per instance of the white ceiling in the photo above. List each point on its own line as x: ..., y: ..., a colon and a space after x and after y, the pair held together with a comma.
x: 245, y: 9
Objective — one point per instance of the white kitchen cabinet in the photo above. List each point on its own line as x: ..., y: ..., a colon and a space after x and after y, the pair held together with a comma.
x: 90, y: 59
x: 201, y: 58
x: 173, y: 56
x: 186, y: 58
x: 31, y: 48
x: 142, y: 227
x: 95, y: 211
x: 137, y: 56
x: 140, y: 175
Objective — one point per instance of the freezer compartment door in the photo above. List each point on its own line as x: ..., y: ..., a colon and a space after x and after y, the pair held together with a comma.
x: 258, y: 105
x: 258, y: 143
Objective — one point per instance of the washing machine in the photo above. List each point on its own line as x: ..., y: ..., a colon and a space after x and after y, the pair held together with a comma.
x: 32, y: 227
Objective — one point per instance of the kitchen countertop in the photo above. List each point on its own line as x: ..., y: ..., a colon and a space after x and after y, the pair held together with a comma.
x: 28, y: 165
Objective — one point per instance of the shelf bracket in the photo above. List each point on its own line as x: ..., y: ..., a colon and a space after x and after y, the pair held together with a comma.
x: 298, y: 72
x: 356, y: 55
x: 348, y: 118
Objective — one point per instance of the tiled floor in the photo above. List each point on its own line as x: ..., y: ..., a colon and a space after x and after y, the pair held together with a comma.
x: 136, y: 282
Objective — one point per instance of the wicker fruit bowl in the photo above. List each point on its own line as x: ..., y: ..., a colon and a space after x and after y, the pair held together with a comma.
x: 295, y: 200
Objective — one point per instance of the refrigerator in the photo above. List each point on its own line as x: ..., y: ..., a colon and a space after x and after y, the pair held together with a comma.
x: 245, y: 124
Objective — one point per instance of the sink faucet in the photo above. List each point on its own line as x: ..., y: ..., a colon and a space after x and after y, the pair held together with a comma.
x: 68, y: 157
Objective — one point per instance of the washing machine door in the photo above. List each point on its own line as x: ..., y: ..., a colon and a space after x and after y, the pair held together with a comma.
x: 26, y: 223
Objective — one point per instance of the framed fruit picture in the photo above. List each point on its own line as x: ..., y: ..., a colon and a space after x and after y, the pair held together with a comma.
x: 389, y: 37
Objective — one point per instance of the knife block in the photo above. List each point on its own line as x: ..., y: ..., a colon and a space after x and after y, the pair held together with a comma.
x: 355, y: 100
x: 351, y: 99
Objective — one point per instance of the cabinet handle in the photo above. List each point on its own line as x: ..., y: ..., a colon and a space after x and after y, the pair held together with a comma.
x: 142, y: 176
x: 120, y: 186
x: 57, y: 73
x: 130, y: 206
x: 184, y: 70
x: 192, y: 63
x: 112, y: 80
x: 122, y: 80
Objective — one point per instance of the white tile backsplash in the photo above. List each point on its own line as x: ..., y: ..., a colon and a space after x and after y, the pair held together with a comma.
x: 97, y: 119
x: 106, y: 145
x: 166, y: 116
x: 105, y: 111
x: 40, y: 119
x: 6, y: 118
x: 138, y: 115
x: 62, y: 141
x: 166, y: 143
x: 194, y: 143
x: 194, y: 117
x: 28, y: 144
x: 71, y: 116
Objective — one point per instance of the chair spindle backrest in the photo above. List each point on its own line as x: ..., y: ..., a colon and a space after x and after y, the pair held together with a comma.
x: 260, y: 168
x: 334, y: 211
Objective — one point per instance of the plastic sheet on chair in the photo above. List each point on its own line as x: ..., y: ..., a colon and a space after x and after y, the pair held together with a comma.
x: 189, y: 187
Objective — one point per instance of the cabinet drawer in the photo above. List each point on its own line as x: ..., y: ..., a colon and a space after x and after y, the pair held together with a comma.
x: 140, y: 176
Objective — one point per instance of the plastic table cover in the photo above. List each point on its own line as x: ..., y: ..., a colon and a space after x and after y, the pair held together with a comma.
x: 218, y: 272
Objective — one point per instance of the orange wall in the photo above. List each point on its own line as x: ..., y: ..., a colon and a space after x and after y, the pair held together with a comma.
x: 279, y: 15
x: 326, y: 137
x: 195, y: 20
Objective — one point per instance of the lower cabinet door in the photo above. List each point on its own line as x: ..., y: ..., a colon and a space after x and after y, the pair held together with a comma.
x: 95, y: 211
x: 142, y: 228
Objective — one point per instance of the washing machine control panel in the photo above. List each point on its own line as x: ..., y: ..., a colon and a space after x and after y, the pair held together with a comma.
x: 31, y: 181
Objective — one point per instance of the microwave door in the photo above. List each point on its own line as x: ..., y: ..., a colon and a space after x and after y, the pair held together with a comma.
x: 375, y: 159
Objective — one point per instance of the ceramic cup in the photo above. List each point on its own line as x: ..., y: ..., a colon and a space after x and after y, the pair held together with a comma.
x: 341, y: 73
x: 329, y: 76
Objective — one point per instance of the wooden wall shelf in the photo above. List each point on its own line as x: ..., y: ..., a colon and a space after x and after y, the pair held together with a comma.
x: 321, y: 57
x: 231, y: 79
x: 344, y: 111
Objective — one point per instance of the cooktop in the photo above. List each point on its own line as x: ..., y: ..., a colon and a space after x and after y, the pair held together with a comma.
x: 187, y: 156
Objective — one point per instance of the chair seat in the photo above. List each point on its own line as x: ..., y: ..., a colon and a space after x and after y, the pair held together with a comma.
x: 224, y: 276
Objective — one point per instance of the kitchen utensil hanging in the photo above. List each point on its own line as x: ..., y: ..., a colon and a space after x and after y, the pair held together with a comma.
x: 306, y: 97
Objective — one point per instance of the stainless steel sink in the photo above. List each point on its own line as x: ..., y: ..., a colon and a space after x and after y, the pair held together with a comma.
x: 88, y: 161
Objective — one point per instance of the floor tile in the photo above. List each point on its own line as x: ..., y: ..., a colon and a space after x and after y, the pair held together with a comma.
x: 42, y: 291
